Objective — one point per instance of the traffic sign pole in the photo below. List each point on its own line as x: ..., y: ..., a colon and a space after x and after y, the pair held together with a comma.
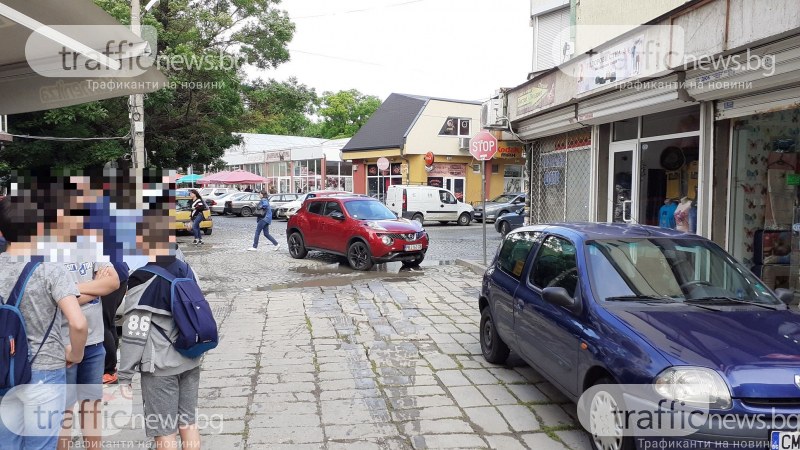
x: 483, y: 148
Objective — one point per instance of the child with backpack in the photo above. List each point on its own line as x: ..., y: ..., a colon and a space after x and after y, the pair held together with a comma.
x: 167, y: 326
x: 34, y: 296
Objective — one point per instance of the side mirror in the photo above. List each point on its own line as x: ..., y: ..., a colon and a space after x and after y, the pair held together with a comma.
x: 560, y: 297
x: 785, y: 295
x: 336, y: 215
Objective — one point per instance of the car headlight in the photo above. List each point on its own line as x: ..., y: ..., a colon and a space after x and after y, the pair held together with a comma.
x: 695, y: 386
x: 375, y: 226
x: 387, y: 240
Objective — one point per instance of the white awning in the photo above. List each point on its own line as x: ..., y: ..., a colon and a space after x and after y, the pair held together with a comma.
x: 549, y: 124
x: 647, y: 97
x: 30, y: 81
x: 749, y: 105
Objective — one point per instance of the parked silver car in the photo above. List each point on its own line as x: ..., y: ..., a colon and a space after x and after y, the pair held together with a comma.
x: 278, y: 200
x: 503, y: 204
x: 245, y: 205
x: 218, y: 207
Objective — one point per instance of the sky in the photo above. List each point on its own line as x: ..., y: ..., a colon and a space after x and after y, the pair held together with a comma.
x: 458, y: 49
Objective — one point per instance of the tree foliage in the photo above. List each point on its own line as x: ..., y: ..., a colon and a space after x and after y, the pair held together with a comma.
x: 188, y: 123
x: 344, y: 112
x: 280, y: 107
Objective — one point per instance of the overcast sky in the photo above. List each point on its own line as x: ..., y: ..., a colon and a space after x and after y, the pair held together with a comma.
x: 460, y: 49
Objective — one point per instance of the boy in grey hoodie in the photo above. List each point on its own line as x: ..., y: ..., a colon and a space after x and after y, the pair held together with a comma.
x: 170, y: 381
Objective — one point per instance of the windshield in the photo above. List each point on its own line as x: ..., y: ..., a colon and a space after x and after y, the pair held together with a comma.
x: 183, y: 204
x: 368, y: 210
x: 505, y: 198
x: 671, y: 269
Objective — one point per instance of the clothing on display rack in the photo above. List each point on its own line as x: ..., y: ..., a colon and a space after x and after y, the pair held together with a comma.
x: 682, y: 215
x: 666, y: 214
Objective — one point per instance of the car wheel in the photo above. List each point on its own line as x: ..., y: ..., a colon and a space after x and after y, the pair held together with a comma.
x: 493, y: 348
x: 605, y: 421
x: 464, y: 219
x: 418, y: 217
x: 358, y: 256
x: 414, y: 262
x: 505, y: 228
x: 246, y: 211
x: 207, y: 231
x: 297, y: 248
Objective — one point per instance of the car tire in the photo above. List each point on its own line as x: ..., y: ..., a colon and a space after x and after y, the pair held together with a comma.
x: 414, y: 262
x: 464, y: 219
x: 246, y: 212
x: 358, y: 256
x: 493, y: 348
x: 505, y: 228
x: 418, y: 217
x: 297, y: 247
x: 597, y: 405
x: 207, y: 231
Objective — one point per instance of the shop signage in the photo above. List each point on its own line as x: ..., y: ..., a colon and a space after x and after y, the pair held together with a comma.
x: 619, y: 62
x: 538, y: 95
x: 383, y: 163
x: 448, y: 170
x: 282, y: 155
x: 553, y: 160
x: 793, y: 179
x: 551, y: 178
x: 509, y: 150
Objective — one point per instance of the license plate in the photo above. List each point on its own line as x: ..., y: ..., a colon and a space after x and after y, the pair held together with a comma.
x: 413, y: 247
x: 785, y: 440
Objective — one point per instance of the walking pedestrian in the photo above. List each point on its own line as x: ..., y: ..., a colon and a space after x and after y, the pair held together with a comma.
x: 197, y: 216
x: 264, y: 219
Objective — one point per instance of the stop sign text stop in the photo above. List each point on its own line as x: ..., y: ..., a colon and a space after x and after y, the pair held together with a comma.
x: 483, y: 146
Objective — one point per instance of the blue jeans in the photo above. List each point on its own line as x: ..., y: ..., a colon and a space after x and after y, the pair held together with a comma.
x: 263, y: 225
x: 196, y: 226
x: 85, y: 379
x: 31, y: 415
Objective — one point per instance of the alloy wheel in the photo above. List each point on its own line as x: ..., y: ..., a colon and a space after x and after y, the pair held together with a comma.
x: 358, y: 256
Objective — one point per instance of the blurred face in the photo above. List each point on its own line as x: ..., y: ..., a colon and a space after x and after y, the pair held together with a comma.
x: 192, y: 195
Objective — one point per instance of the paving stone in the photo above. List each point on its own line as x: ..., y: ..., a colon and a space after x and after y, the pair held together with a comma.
x: 284, y: 420
x: 541, y: 441
x: 290, y: 435
x: 431, y: 401
x: 452, y: 378
x: 528, y: 393
x: 359, y: 431
x: 519, y: 417
x: 553, y: 415
x: 480, y: 376
x: 447, y: 441
x: 504, y: 443
x: 437, y: 426
x: 575, y: 439
x: 507, y: 375
x: 440, y: 361
x: 432, y: 413
x: 222, y: 441
x: 552, y: 393
x: 497, y: 394
x: 488, y: 419
x: 468, y: 396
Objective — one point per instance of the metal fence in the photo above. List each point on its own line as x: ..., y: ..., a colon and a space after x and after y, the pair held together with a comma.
x: 559, y: 174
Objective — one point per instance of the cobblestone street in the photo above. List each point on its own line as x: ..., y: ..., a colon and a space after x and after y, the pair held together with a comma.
x: 314, y: 355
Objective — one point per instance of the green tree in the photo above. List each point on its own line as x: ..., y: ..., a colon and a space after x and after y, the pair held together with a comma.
x: 280, y: 107
x: 344, y: 112
x: 202, y: 45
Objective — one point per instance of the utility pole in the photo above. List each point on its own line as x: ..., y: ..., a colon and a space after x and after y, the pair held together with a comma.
x: 136, y: 101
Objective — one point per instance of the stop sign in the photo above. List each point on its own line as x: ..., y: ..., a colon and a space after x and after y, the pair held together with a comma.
x: 483, y: 146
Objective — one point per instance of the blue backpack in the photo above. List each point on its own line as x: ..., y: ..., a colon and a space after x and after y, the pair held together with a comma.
x: 15, y: 358
x: 197, y: 329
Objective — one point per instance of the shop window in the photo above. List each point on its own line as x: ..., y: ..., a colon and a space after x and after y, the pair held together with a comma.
x: 626, y: 129
x: 675, y: 121
x: 495, y: 168
x: 456, y: 126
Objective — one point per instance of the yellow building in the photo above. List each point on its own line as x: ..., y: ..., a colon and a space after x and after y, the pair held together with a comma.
x: 406, y: 128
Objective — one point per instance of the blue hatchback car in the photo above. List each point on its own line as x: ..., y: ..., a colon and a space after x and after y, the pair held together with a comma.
x: 592, y: 306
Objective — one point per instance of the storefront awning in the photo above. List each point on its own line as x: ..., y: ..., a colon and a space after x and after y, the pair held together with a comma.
x: 759, y: 103
x: 33, y: 77
x: 555, y: 122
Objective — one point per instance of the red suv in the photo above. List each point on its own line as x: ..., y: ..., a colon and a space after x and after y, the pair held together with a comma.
x: 361, y: 229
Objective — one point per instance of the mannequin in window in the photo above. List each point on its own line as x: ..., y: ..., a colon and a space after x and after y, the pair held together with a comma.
x: 682, y: 214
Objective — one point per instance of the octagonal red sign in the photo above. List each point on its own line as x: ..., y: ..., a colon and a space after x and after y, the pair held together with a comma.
x: 483, y: 146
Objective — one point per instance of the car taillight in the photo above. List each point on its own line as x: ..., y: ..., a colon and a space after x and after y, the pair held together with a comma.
x: 405, y: 201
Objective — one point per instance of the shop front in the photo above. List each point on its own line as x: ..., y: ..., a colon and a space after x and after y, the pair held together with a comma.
x: 451, y: 176
x: 278, y: 173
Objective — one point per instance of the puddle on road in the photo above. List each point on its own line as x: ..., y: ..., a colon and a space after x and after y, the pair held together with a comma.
x: 340, y: 274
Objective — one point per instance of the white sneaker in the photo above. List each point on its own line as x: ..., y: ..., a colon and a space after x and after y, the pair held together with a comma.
x: 276, y: 247
x: 252, y: 249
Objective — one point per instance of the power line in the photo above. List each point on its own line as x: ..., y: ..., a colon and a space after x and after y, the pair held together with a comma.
x: 71, y: 139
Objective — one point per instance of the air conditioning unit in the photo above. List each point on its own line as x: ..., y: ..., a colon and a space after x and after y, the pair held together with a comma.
x: 491, y: 112
x: 463, y: 143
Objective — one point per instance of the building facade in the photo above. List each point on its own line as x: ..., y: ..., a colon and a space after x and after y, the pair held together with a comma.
x: 292, y: 164
x: 707, y: 125
x: 426, y: 141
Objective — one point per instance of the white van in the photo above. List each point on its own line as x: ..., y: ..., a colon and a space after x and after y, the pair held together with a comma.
x: 423, y: 203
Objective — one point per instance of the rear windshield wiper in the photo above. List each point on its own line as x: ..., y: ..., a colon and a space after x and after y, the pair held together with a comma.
x: 641, y: 298
x: 721, y: 299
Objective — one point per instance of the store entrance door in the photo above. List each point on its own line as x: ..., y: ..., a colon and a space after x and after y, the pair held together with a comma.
x: 456, y: 186
x: 622, y: 189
